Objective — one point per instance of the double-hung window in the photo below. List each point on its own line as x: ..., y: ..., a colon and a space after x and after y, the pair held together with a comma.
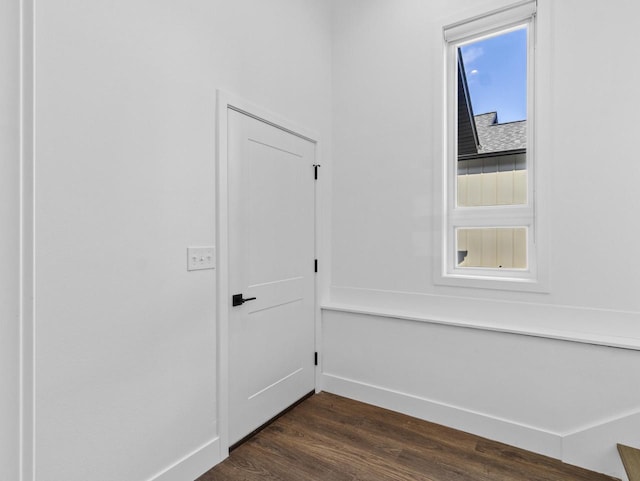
x: 489, y: 230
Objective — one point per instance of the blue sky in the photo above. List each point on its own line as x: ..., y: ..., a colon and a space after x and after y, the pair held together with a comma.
x: 496, y: 71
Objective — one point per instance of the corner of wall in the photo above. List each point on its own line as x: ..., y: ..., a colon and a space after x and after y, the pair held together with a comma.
x: 10, y: 244
x: 594, y: 447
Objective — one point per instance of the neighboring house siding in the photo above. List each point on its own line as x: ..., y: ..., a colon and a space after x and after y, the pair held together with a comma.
x: 495, y: 175
x: 506, y: 187
x: 502, y: 248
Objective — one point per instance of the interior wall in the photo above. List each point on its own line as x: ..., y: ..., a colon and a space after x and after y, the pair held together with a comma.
x: 125, y: 176
x: 9, y: 237
x: 125, y: 147
x: 387, y: 84
x: 387, y: 110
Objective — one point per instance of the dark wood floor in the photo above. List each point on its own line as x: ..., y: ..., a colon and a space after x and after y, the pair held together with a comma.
x: 330, y: 438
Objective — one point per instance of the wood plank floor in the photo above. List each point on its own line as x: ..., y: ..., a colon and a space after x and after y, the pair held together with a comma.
x: 331, y: 438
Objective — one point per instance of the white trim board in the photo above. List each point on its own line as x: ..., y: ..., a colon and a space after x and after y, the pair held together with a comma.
x: 565, y: 323
x: 225, y: 101
x: 193, y: 465
x: 27, y: 242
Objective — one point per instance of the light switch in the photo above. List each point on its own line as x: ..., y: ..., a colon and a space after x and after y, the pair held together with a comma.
x: 201, y: 258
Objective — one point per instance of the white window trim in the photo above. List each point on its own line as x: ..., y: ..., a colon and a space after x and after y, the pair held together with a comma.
x: 534, y: 278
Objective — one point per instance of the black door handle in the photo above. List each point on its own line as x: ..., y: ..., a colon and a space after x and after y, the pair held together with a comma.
x: 238, y: 300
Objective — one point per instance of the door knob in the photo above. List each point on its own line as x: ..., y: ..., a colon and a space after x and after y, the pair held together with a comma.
x: 238, y: 300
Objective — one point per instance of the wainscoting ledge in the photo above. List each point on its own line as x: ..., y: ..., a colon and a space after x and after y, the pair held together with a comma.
x: 631, y: 343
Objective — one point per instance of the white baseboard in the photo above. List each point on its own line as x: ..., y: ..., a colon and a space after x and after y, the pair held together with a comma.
x: 193, y: 465
x: 525, y: 437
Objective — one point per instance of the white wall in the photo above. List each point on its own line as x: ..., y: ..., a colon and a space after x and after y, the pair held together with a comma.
x: 9, y: 238
x: 125, y: 163
x: 387, y: 73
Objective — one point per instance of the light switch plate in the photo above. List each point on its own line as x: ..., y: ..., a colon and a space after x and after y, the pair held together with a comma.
x: 199, y: 258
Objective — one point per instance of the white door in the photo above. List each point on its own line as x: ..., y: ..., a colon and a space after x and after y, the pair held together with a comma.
x: 271, y: 265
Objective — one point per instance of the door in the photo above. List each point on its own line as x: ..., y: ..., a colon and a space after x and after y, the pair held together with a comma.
x: 271, y: 271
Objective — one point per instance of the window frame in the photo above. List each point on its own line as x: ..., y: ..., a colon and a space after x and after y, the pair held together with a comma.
x: 516, y: 16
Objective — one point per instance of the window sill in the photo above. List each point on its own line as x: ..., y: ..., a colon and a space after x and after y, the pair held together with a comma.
x: 476, y: 281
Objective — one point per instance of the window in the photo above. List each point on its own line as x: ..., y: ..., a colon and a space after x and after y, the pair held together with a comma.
x: 489, y: 228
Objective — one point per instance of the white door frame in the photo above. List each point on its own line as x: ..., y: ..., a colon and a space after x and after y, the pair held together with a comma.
x: 225, y: 101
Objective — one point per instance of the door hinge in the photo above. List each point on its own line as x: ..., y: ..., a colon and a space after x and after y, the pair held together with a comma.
x: 315, y: 171
x: 315, y: 265
x: 315, y: 358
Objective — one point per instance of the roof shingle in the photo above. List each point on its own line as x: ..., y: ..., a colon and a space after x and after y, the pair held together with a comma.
x: 496, y: 137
